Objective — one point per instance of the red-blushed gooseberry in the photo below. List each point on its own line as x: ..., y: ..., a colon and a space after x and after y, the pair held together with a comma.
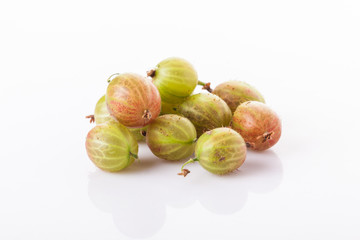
x: 102, y: 115
x: 258, y: 124
x: 133, y: 100
x: 236, y: 92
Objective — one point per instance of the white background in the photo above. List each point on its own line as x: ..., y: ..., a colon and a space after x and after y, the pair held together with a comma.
x: 55, y: 57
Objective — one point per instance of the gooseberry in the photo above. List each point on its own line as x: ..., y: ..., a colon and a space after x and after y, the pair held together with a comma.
x: 258, y: 124
x: 236, y: 92
x: 111, y: 146
x: 206, y: 111
x: 175, y: 78
x: 171, y: 137
x: 102, y: 115
x: 133, y: 100
x: 219, y: 151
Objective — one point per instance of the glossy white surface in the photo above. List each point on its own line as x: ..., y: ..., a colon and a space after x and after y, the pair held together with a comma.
x: 302, y: 55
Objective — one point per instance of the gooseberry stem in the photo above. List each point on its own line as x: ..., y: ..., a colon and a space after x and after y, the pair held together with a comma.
x: 191, y: 160
x: 151, y: 72
x: 110, y: 78
x: 206, y: 86
x: 185, y: 171
x: 92, y: 118
x: 201, y: 83
x: 147, y: 114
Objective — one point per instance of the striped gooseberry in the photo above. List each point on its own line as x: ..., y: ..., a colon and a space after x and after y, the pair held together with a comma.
x: 258, y: 124
x: 206, y: 111
x: 133, y: 100
x: 102, y: 115
x: 175, y: 78
x: 236, y: 92
x: 219, y: 151
x: 171, y: 137
x: 111, y: 146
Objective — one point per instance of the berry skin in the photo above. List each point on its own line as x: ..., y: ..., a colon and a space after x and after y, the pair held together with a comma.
x: 175, y: 78
x: 171, y: 137
x: 102, y: 115
x: 169, y: 108
x: 133, y: 100
x: 111, y: 146
x: 236, y: 92
x: 258, y: 124
x: 219, y: 151
x: 206, y: 111
x: 139, y: 133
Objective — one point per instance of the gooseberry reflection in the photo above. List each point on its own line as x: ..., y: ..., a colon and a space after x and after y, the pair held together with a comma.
x: 138, y: 205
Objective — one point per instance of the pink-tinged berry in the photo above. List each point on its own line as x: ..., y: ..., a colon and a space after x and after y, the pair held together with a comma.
x: 236, y: 92
x: 258, y: 124
x: 133, y: 100
x: 102, y: 115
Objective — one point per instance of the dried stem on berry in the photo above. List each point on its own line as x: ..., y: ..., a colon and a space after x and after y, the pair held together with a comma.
x: 206, y: 86
x: 151, y: 72
x: 92, y: 118
x: 185, y: 171
x: 147, y: 114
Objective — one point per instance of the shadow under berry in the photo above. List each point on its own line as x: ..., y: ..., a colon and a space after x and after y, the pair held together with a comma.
x: 138, y: 204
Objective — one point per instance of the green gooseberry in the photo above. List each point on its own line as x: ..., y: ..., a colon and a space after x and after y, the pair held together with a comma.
x: 102, y: 115
x: 206, y: 111
x: 171, y: 137
x: 219, y: 151
x: 175, y: 79
x: 111, y: 146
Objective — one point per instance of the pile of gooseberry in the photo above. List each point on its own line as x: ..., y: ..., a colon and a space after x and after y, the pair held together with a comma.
x: 214, y: 128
